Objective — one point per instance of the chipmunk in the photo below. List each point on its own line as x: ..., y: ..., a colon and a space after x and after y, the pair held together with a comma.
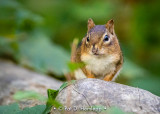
x: 100, y: 51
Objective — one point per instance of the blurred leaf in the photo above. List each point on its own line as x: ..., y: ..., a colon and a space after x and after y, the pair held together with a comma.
x: 27, y: 21
x: 9, y: 109
x: 115, y: 110
x: 28, y: 95
x: 33, y: 110
x: 14, y: 109
x: 9, y: 3
x: 131, y: 70
x: 140, y: 77
x: 39, y: 53
x: 150, y: 83
x: 8, y: 47
x: 74, y: 66
x: 96, y: 10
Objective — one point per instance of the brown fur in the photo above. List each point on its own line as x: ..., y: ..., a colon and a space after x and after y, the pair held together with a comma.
x: 98, y: 50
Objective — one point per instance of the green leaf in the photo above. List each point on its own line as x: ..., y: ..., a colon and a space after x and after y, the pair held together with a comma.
x: 115, y: 110
x: 99, y: 8
x: 40, y: 54
x: 65, y: 84
x: 28, y: 95
x: 149, y: 83
x: 9, y: 109
x: 14, y: 109
x: 39, y: 109
x: 132, y: 70
x: 8, y: 46
x: 52, y: 93
x: 74, y: 66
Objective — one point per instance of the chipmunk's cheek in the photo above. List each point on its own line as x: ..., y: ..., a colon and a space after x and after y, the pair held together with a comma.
x: 102, y: 51
x: 90, y: 52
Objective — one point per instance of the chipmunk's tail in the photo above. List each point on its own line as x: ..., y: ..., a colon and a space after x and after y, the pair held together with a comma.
x: 70, y: 76
x: 73, y: 49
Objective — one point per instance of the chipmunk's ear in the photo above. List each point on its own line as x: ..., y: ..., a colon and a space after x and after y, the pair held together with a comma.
x: 90, y: 24
x: 110, y: 26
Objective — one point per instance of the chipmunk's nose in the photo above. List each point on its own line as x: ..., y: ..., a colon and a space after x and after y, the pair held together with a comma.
x: 94, y: 49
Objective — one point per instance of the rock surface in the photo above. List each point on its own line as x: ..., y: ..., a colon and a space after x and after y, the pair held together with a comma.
x: 14, y: 78
x: 94, y: 92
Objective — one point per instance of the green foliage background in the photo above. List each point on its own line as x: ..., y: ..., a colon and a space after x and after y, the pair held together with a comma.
x: 37, y: 34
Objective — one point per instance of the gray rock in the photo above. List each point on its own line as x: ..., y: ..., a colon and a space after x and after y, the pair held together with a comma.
x: 14, y: 78
x: 94, y: 92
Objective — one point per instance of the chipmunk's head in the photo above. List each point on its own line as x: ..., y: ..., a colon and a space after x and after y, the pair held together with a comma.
x: 100, y: 39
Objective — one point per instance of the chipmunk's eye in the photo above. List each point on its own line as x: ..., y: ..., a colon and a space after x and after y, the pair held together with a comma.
x: 87, y: 39
x: 106, y: 38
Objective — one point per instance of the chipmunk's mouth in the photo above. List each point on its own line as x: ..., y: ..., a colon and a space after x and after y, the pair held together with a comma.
x: 95, y: 54
x: 98, y: 54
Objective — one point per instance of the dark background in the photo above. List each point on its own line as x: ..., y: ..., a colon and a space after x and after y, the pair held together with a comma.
x: 37, y: 34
